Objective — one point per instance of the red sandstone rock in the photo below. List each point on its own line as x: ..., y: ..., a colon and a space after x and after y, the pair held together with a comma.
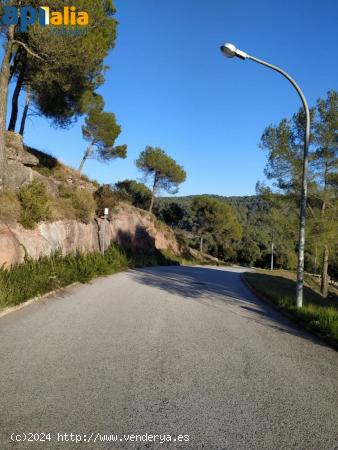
x: 130, y: 227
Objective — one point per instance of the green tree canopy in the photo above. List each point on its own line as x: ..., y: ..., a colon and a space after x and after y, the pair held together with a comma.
x: 101, y: 131
x: 216, y: 218
x: 166, y: 174
x: 171, y: 213
x: 136, y: 193
x: 60, y: 68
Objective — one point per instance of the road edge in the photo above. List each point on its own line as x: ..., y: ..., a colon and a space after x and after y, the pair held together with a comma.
x: 4, y: 312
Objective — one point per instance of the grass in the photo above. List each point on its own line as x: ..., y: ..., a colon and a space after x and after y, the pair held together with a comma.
x: 317, y: 314
x: 37, y: 277
x: 310, y: 281
x: 33, y: 278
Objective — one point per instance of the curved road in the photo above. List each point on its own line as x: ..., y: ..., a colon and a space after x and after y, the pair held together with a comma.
x: 173, y: 351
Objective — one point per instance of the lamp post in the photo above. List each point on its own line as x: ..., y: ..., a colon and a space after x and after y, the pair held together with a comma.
x: 230, y: 50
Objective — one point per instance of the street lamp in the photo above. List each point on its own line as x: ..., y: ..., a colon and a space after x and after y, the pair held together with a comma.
x: 230, y: 50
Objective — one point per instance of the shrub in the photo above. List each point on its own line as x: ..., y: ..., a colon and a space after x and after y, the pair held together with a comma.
x: 160, y: 226
x: 106, y: 197
x: 36, y: 277
x: 135, y: 193
x: 76, y: 203
x: 35, y: 204
x: 84, y: 205
x: 10, y: 208
x: 182, y: 238
x: 66, y: 191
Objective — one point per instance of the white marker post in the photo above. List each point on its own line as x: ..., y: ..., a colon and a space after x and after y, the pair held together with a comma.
x: 105, y: 217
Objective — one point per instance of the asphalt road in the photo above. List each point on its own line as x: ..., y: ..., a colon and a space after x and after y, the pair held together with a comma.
x: 164, y: 351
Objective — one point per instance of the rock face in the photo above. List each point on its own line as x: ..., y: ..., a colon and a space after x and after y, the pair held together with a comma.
x: 19, y: 162
x: 22, y: 162
x: 16, y: 152
x: 129, y: 227
x: 11, y: 251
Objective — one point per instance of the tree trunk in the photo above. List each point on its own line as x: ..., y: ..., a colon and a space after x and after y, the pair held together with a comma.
x: 325, y: 278
x: 14, y: 64
x: 4, y: 80
x: 85, y: 156
x: 15, y: 102
x: 153, y: 193
x: 152, y: 202
x: 326, y: 171
x: 201, y: 244
x: 25, y: 112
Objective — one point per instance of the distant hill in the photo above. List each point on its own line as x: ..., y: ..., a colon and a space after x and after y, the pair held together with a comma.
x: 244, y: 205
x: 234, y: 200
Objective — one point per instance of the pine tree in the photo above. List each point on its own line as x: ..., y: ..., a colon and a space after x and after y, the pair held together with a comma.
x: 166, y: 174
x: 101, y: 131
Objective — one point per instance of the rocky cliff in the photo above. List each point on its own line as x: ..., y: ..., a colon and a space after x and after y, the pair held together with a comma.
x: 129, y: 227
x: 20, y: 162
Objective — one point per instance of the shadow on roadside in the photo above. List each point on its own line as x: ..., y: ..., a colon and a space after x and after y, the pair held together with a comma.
x: 221, y: 289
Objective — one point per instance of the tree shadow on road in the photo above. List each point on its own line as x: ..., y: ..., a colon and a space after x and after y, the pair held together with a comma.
x: 221, y: 289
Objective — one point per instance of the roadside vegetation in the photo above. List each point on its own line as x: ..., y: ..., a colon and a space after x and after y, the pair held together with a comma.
x: 34, y: 203
x: 318, y: 314
x: 37, y: 277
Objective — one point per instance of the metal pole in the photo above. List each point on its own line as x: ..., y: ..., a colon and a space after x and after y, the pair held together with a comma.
x: 303, y: 200
x: 105, y: 217
x: 271, y: 263
x: 272, y: 248
x: 104, y: 234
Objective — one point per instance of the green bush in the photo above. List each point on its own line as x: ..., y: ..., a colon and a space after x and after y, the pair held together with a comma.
x: 135, y: 193
x: 182, y: 238
x: 36, y: 277
x: 34, y: 204
x: 77, y: 203
x: 84, y: 205
x: 107, y: 197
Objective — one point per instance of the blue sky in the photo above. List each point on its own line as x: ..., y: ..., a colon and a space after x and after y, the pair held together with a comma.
x: 169, y: 86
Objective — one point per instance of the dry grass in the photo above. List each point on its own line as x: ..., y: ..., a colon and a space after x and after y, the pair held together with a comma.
x: 10, y: 208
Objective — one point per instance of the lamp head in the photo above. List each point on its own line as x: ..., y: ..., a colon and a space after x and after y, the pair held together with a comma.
x: 230, y: 50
